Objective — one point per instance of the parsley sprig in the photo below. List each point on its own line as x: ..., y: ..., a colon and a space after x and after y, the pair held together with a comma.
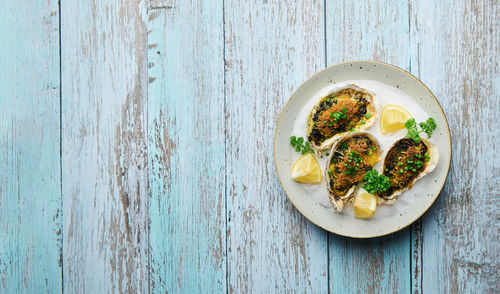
x: 375, y: 182
x: 300, y: 146
x: 425, y: 127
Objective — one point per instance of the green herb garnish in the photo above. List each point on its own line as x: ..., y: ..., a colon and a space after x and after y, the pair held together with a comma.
x: 300, y: 146
x: 339, y: 114
x: 368, y: 115
x: 425, y: 127
x: 375, y: 182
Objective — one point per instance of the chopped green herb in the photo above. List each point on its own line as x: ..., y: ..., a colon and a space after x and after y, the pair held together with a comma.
x: 328, y: 100
x: 338, y: 115
x: 374, y: 148
x: 327, y: 154
x: 352, y: 129
x: 343, y: 146
x: 329, y: 171
x: 400, y: 163
x: 333, y: 95
x: 386, y: 170
x: 368, y: 115
x: 399, y: 158
x: 401, y: 171
x: 375, y: 182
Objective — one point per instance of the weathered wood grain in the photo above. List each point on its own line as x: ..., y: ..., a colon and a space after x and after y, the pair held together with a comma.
x: 30, y: 195
x: 104, y: 160
x: 186, y: 148
x: 161, y: 4
x: 455, y: 51
x: 218, y: 74
x: 271, y: 47
x: 359, y: 30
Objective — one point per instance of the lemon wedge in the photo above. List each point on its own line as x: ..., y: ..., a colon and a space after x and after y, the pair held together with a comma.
x: 306, y: 170
x: 393, y: 118
x: 365, y: 205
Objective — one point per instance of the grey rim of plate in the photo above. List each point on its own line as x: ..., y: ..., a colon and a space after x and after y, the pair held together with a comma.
x: 327, y: 218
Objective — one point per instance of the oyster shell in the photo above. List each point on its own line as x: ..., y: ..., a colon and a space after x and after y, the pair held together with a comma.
x: 351, y: 108
x: 405, y: 163
x: 350, y: 158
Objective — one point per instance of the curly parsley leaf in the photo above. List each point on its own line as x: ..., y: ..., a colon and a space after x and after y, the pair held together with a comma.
x: 428, y: 127
x: 375, y: 182
x: 413, y: 129
x: 299, y: 145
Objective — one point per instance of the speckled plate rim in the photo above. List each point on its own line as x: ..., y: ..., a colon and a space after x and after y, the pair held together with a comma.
x: 430, y: 203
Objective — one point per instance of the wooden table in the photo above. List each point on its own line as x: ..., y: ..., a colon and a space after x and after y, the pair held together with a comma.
x: 136, y: 146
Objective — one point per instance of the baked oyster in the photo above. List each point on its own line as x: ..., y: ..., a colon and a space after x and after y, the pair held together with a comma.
x: 405, y: 163
x: 350, y: 158
x: 348, y: 109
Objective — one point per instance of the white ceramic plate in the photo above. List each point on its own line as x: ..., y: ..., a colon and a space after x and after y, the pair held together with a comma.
x: 344, y: 223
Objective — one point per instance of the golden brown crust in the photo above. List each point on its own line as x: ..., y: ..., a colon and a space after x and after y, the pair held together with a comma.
x: 352, y: 156
x: 350, y: 109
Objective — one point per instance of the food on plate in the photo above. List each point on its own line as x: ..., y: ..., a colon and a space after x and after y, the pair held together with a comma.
x: 426, y: 127
x: 365, y: 205
x: 351, y: 157
x: 393, y: 118
x: 375, y: 182
x: 406, y: 162
x: 299, y: 145
x: 348, y: 109
x: 306, y: 170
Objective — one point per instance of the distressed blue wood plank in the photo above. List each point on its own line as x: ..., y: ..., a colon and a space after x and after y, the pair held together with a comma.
x: 271, y: 48
x: 457, y: 55
x: 186, y: 148
x: 30, y: 196
x: 104, y: 175
x: 372, y: 30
